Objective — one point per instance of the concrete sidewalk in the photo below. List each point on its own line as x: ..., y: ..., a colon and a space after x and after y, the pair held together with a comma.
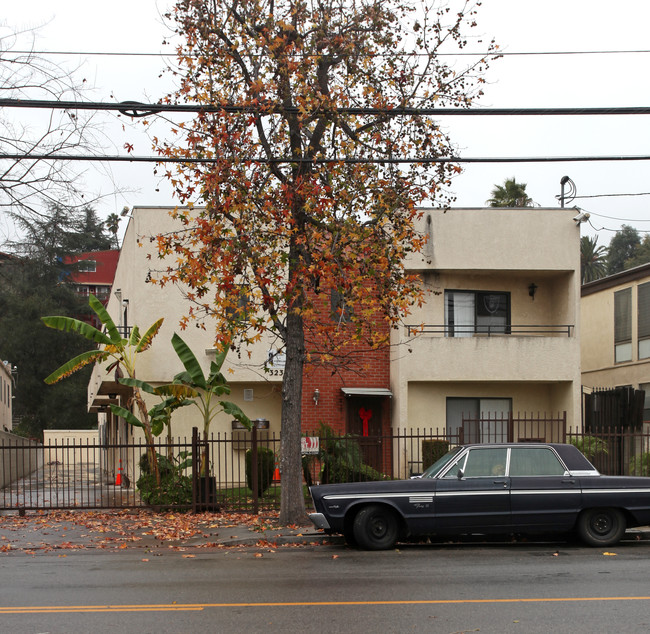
x: 78, y: 530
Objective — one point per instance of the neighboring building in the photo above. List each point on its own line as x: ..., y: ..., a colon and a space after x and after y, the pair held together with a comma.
x: 6, y: 396
x: 93, y: 273
x: 499, y: 333
x: 615, y: 340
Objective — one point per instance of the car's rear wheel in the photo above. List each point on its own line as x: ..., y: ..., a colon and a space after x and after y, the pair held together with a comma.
x: 601, y: 527
x: 376, y: 527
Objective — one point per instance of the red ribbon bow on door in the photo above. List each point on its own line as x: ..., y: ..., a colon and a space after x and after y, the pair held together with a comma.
x: 365, y: 415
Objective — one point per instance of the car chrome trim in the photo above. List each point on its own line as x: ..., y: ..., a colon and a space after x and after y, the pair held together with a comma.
x: 319, y: 520
x: 617, y: 491
x: 574, y: 491
x: 372, y: 496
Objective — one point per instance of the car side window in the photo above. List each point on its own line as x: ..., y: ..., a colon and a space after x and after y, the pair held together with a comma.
x: 534, y: 461
x: 453, y: 471
x: 483, y: 463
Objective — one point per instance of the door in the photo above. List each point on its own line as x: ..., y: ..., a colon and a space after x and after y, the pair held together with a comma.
x: 542, y: 496
x: 478, y: 500
x: 364, y: 422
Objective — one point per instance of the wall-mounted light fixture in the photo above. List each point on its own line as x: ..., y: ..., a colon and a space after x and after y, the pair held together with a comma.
x: 532, y: 287
x: 316, y: 396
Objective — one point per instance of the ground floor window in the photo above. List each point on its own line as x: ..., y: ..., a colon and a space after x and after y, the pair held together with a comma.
x: 482, y: 420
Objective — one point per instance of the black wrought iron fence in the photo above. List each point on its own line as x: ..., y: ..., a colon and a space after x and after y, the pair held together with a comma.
x: 100, y: 475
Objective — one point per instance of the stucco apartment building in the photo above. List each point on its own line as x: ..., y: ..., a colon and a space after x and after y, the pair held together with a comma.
x: 498, y: 334
x: 6, y: 396
x: 615, y: 341
x: 255, y: 379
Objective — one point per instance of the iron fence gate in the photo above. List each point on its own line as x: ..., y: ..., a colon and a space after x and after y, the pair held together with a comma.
x: 101, y: 475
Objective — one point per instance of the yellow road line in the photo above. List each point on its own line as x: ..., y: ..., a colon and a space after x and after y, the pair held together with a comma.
x: 173, y: 607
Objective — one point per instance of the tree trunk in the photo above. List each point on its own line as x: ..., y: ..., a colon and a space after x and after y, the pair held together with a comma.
x: 292, y: 502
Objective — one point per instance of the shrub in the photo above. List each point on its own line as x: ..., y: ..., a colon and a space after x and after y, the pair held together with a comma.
x: 640, y: 465
x: 175, y: 488
x: 432, y: 450
x: 265, y: 469
x: 342, y: 459
x: 590, y: 445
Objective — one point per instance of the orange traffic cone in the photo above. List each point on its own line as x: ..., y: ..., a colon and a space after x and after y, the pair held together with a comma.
x: 118, y: 477
x: 276, y: 473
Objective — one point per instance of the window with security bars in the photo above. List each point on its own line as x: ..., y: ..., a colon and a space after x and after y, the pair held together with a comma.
x: 643, y: 319
x: 623, y: 325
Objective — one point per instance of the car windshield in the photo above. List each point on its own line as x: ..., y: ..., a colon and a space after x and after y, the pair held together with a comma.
x: 441, y: 462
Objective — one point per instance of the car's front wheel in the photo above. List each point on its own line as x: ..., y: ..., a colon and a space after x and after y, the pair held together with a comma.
x: 601, y: 527
x: 376, y: 527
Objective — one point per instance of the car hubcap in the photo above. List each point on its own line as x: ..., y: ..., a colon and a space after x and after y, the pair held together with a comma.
x: 602, y: 524
x: 378, y: 527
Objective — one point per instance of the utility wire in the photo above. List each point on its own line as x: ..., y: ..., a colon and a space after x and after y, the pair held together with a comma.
x: 137, y: 109
x: 620, y: 219
x: 324, y: 161
x: 497, y: 53
x: 613, y: 195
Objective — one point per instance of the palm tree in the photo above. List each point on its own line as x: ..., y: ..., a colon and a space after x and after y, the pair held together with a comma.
x: 511, y: 194
x: 112, y: 224
x: 593, y: 259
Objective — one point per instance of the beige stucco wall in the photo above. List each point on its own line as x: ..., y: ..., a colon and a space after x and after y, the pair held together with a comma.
x: 599, y: 368
x: 146, y: 302
x: 66, y: 445
x: 494, y: 250
x: 17, y: 463
x: 6, y: 392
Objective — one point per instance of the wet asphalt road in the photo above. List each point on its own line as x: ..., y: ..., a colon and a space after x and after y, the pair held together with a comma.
x: 499, y: 588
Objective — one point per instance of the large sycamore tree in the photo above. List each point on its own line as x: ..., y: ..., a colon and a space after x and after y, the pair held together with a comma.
x: 293, y: 191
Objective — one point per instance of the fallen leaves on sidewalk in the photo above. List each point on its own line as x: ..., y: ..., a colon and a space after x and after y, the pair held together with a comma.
x: 56, y: 530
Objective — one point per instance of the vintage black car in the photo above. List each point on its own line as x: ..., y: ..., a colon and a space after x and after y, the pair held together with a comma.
x: 493, y: 489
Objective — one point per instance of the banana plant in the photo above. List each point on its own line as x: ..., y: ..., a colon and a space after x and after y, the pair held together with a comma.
x: 206, y: 391
x: 110, y: 346
x: 160, y: 415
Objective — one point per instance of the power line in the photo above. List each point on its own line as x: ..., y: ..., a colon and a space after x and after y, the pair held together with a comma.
x: 136, y: 109
x: 497, y: 53
x: 614, y: 195
x: 620, y: 219
x: 324, y: 161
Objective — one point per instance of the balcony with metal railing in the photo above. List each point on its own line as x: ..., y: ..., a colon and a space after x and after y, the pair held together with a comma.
x: 514, y: 352
x: 513, y: 330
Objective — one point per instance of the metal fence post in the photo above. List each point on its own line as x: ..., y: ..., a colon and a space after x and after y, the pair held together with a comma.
x: 195, y: 471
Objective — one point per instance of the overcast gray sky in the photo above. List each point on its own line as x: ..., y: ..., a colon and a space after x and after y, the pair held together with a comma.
x: 519, y: 26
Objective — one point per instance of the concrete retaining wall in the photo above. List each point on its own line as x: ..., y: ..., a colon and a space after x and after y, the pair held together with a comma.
x: 67, y: 446
x: 18, y: 457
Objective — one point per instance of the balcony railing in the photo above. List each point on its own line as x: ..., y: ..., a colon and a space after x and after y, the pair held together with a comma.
x: 527, y: 330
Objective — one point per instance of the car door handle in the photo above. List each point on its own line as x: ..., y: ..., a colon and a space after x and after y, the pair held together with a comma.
x: 568, y: 481
x: 504, y: 482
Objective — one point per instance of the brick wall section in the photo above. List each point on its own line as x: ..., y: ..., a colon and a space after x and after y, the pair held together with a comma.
x: 371, y: 368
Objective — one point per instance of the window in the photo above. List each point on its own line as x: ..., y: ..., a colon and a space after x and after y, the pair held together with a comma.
x: 239, y: 306
x: 484, y: 463
x: 623, y: 325
x: 476, y: 312
x: 643, y: 319
x: 339, y: 308
x: 528, y: 461
x: 483, y: 420
x: 87, y: 266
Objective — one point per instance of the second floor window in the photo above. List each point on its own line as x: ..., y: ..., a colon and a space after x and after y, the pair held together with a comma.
x: 468, y: 313
x: 643, y: 312
x: 623, y: 325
